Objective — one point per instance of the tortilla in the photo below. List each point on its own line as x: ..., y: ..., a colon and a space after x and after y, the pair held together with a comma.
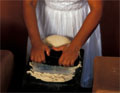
x: 56, y: 40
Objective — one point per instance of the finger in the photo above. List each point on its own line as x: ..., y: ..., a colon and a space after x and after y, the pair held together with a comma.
x: 31, y: 58
x: 64, y: 61
x: 67, y: 62
x: 58, y: 48
x: 61, y: 60
x: 39, y: 59
x: 43, y: 58
x: 60, y: 63
x: 35, y: 59
x: 72, y: 63
x: 47, y: 51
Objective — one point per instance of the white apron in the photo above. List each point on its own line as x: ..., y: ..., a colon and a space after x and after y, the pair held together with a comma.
x: 65, y: 17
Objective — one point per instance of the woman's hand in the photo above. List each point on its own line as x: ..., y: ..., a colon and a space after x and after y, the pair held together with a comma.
x: 37, y: 53
x: 68, y: 56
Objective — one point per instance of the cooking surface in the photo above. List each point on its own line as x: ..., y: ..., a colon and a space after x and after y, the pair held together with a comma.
x: 54, y: 57
x: 32, y: 84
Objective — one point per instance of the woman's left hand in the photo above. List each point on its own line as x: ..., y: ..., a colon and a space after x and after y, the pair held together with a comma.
x: 69, y: 55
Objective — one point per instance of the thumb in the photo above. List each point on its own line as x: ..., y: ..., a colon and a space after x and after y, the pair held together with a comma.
x: 47, y: 51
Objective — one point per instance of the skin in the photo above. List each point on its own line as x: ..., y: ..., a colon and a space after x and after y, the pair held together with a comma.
x: 38, y: 47
x: 70, y: 53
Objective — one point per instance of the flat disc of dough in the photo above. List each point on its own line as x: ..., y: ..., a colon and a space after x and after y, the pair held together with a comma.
x: 56, y: 40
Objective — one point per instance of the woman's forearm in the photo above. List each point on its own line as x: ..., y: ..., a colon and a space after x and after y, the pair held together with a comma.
x: 87, y: 28
x: 31, y: 22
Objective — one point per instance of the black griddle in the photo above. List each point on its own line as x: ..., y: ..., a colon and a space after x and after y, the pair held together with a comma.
x: 54, y: 58
x: 36, y: 85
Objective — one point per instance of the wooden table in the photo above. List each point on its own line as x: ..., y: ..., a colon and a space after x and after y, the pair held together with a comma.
x: 106, y: 75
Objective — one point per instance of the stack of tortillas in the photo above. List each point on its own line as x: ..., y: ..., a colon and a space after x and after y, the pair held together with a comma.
x: 53, y: 73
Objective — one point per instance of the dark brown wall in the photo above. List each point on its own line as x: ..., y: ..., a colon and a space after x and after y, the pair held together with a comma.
x: 14, y: 36
x: 110, y: 28
x: 11, y: 11
x: 13, y: 30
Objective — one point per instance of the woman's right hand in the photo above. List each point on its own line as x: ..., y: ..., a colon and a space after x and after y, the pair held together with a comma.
x: 37, y: 53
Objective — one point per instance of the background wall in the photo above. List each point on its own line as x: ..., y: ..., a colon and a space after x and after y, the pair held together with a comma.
x: 14, y: 33
x: 13, y: 37
x: 110, y: 28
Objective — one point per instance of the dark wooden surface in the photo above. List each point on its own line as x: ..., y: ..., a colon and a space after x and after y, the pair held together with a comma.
x: 106, y: 75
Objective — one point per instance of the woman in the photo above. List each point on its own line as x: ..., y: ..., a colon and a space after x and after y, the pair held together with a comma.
x: 77, y: 19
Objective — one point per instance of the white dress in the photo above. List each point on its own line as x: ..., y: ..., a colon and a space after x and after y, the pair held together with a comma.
x: 65, y: 17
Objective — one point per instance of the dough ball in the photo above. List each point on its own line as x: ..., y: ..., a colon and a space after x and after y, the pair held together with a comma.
x: 56, y: 40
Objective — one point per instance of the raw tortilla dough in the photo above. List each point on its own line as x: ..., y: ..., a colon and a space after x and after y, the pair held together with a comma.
x: 52, y: 73
x: 47, y: 77
x: 53, y: 77
x: 56, y: 40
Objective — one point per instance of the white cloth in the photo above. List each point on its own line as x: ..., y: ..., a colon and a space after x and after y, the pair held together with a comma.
x: 65, y: 17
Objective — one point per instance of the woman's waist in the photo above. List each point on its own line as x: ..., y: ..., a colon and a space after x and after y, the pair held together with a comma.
x: 66, y: 6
